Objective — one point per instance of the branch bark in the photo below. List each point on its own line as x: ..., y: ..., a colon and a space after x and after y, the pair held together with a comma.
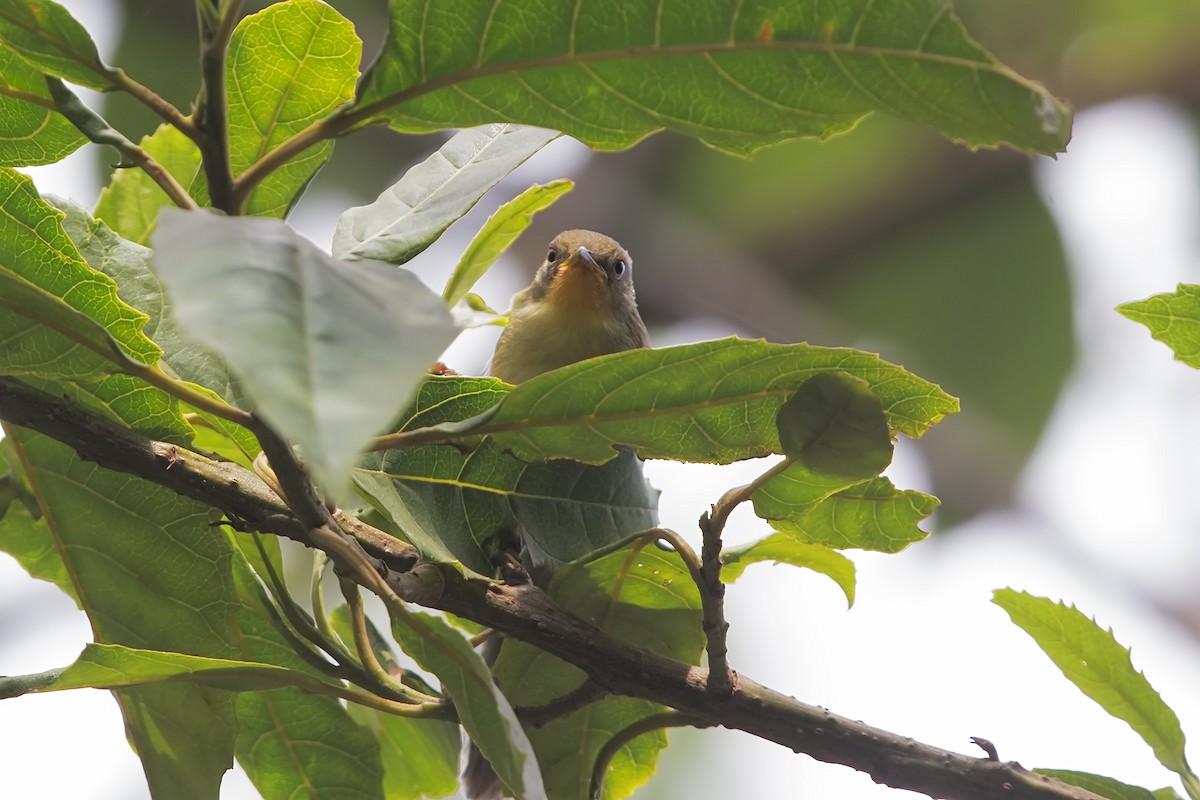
x: 528, y: 614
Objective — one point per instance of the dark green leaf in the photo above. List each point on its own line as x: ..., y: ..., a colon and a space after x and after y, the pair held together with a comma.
x: 288, y: 66
x: 328, y: 351
x: 500, y: 231
x: 1092, y: 659
x: 31, y: 131
x: 712, y: 401
x: 45, y: 35
x: 461, y: 506
x: 639, y: 593
x: 413, y: 212
x: 52, y: 302
x: 782, y: 549
x: 131, y: 201
x: 484, y: 712
x: 738, y: 74
x: 834, y: 435
x: 873, y: 515
x: 1102, y: 785
x: 1173, y: 319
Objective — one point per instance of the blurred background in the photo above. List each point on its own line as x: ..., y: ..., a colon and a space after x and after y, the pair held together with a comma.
x: 1071, y: 471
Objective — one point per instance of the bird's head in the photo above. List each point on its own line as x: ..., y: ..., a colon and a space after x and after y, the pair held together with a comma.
x: 586, y: 274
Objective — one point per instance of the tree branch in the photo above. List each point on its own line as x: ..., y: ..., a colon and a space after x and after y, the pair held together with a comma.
x: 526, y: 613
x: 211, y: 113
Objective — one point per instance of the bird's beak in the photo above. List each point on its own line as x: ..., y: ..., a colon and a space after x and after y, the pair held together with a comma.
x: 580, y: 258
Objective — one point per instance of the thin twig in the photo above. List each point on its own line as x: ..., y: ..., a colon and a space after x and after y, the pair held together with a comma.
x: 582, y: 696
x: 155, y: 102
x: 96, y: 129
x: 366, y: 653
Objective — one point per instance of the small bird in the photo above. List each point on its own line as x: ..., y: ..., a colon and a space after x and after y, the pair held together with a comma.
x: 581, y: 304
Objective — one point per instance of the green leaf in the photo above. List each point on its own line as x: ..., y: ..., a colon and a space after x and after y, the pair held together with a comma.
x: 639, y: 593
x: 1102, y: 785
x: 462, y: 505
x: 712, y: 401
x: 109, y: 666
x: 484, y: 712
x: 420, y: 756
x: 738, y: 74
x: 128, y: 264
x: 46, y: 36
x: 152, y: 573
x: 414, y: 211
x: 782, y: 549
x: 23, y: 531
x: 1092, y: 659
x: 834, y: 435
x: 329, y: 352
x: 873, y: 515
x: 500, y: 231
x: 1173, y: 319
x: 131, y: 201
x: 51, y: 302
x: 31, y: 131
x: 288, y: 66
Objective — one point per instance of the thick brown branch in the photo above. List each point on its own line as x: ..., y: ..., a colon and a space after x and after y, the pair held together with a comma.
x: 526, y: 613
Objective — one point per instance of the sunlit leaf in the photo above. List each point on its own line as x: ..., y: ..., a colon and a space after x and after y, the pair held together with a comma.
x: 45, y: 35
x: 782, y: 549
x: 500, y: 230
x: 873, y: 515
x: 131, y: 201
x: 1092, y: 659
x: 1173, y: 319
x: 414, y: 211
x: 60, y: 319
x: 712, y: 401
x: 288, y: 66
x: 738, y: 74
x: 31, y: 131
x: 328, y: 351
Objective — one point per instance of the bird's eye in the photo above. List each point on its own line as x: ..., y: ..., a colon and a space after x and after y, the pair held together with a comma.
x: 619, y: 268
x: 552, y: 256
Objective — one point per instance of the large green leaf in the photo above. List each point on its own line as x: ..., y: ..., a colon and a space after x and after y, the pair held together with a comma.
x: 45, y: 35
x: 639, y: 593
x: 484, y: 712
x: 712, y: 401
x: 456, y: 505
x: 1102, y: 785
x: 873, y: 515
x: 52, y: 302
x: 739, y: 74
x: 500, y: 230
x: 31, y: 131
x: 23, y: 531
x: 131, y: 201
x: 1173, y: 319
x: 151, y: 572
x: 414, y: 211
x: 329, y: 352
x: 1092, y: 659
x: 289, y: 65
x: 834, y: 435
